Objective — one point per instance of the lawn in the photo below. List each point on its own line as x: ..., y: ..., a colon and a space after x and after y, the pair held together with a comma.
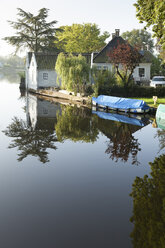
x: 150, y: 101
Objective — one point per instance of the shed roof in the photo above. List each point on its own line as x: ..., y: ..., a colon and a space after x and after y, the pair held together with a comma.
x: 48, y: 60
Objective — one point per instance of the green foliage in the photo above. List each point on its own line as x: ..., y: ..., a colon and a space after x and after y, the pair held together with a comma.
x: 81, y: 38
x: 133, y: 91
x: 157, y: 67
x: 104, y: 79
x: 139, y: 38
x: 152, y: 12
x: 75, y: 123
x: 73, y: 71
x: 149, y: 207
x: 33, y: 32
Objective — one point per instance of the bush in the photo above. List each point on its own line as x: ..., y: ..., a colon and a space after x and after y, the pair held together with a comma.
x: 103, y: 80
x: 133, y: 91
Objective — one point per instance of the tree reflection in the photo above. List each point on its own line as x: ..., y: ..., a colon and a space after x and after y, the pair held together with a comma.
x: 161, y: 136
x: 30, y: 142
x: 149, y: 207
x: 76, y: 124
x: 121, y: 143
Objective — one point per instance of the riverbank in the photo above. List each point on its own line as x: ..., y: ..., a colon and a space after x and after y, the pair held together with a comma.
x: 64, y: 95
x: 69, y: 97
x: 150, y: 101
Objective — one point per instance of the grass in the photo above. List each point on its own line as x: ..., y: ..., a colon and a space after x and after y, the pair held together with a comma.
x: 150, y: 101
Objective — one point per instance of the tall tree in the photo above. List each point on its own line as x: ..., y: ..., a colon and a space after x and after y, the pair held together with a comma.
x: 125, y: 58
x: 152, y: 12
x: 81, y: 38
x: 33, y: 32
x: 139, y: 38
x: 73, y: 71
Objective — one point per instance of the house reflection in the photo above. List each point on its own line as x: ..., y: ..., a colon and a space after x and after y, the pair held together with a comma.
x: 50, y: 122
x: 41, y: 114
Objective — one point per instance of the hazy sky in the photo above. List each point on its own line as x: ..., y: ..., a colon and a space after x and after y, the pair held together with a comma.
x: 107, y: 14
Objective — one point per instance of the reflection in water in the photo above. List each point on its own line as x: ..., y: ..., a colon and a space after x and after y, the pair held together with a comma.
x: 121, y: 140
x: 149, y: 207
x: 49, y: 122
x: 161, y: 136
x: 122, y: 144
x: 10, y: 74
x: 76, y: 124
x: 29, y: 141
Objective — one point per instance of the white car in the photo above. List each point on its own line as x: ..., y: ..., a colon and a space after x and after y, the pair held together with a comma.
x: 157, y: 81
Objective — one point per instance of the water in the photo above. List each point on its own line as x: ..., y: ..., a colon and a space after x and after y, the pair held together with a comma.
x: 66, y: 175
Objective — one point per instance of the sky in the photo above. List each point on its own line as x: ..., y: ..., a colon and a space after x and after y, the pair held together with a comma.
x: 107, y: 14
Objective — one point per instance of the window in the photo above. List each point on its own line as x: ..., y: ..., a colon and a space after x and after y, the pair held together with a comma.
x: 45, y: 76
x: 105, y: 68
x: 99, y: 67
x: 141, y: 72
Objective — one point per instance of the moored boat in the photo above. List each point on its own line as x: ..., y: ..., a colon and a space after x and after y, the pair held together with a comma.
x: 120, y: 104
x: 160, y: 116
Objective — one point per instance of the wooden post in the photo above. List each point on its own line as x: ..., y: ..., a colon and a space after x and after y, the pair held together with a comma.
x: 155, y: 98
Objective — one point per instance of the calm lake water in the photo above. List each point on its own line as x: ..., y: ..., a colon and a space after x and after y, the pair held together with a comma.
x: 66, y: 176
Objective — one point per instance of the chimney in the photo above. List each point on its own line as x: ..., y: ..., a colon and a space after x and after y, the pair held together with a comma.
x: 117, y: 32
x: 113, y: 35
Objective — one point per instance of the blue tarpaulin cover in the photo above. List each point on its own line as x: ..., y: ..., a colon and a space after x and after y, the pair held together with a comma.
x: 119, y: 118
x: 120, y: 103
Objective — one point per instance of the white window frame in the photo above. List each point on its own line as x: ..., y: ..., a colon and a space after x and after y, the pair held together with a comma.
x: 143, y: 75
x: 45, y: 76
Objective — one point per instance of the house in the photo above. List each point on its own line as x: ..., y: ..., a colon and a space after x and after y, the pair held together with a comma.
x: 101, y: 61
x: 40, y: 67
x: 40, y: 70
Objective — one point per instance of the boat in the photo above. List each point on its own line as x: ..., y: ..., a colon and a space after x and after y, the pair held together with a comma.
x: 160, y: 116
x: 120, y: 104
x: 132, y: 119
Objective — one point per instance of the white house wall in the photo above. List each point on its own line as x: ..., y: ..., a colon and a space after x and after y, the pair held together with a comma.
x: 51, y: 81
x: 103, y: 66
x: 147, y: 68
x: 32, y: 74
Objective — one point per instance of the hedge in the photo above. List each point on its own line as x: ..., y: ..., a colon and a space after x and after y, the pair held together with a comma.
x: 132, y: 91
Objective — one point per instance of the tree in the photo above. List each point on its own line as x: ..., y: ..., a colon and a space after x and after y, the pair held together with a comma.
x: 73, y: 71
x: 157, y: 67
x: 139, y: 38
x: 125, y: 58
x: 33, y: 32
x: 81, y: 38
x: 148, y: 195
x: 152, y: 12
